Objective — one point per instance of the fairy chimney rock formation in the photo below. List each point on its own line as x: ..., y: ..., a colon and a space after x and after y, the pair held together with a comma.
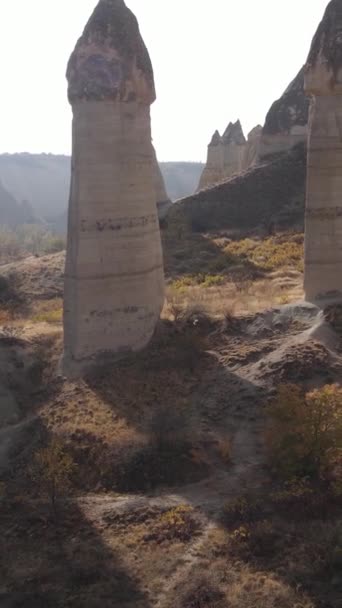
x: 225, y: 155
x: 286, y: 123
x: 114, y: 283
x: 323, y: 233
x: 252, y: 148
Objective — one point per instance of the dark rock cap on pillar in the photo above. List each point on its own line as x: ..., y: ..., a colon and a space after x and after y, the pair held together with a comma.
x: 110, y: 60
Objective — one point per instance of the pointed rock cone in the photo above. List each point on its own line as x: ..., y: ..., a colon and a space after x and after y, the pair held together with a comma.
x: 323, y: 231
x: 114, y: 281
x: 234, y: 134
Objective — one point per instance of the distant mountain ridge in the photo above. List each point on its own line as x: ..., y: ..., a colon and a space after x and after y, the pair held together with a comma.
x: 42, y: 180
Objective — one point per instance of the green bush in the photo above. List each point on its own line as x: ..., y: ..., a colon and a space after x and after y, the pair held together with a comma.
x: 304, y: 434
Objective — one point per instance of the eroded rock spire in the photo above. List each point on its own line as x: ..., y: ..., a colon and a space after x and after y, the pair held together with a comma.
x: 114, y: 283
x: 225, y: 155
x: 323, y: 233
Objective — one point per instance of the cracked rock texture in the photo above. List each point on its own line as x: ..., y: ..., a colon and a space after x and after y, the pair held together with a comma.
x: 114, y: 280
x: 323, y: 234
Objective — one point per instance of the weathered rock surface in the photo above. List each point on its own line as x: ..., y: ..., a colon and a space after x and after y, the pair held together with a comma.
x: 323, y: 80
x: 269, y: 195
x: 287, y: 120
x: 114, y: 283
x: 226, y: 155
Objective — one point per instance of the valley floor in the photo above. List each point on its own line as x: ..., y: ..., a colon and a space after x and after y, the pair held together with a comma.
x: 172, y: 502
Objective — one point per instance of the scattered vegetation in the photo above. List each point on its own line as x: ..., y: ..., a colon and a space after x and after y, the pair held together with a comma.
x: 28, y: 239
x: 204, y: 280
x: 200, y: 592
x: 241, y: 510
x: 177, y: 524
x: 49, y: 316
x: 271, y: 253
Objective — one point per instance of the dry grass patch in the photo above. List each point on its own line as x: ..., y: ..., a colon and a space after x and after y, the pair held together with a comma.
x: 50, y: 311
x: 261, y: 590
x: 234, y: 297
x: 177, y: 524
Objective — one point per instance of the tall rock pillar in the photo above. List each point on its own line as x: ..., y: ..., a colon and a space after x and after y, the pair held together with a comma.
x: 114, y: 282
x: 323, y: 234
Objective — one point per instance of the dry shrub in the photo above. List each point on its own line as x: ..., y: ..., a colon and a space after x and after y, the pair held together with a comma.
x: 200, y: 592
x: 260, y: 540
x: 259, y: 590
x: 202, y: 279
x: 51, y: 316
x: 195, y: 315
x: 49, y: 311
x: 271, y: 253
x: 241, y: 510
x: 298, y: 499
x: 231, y: 323
x: 304, y: 434
x: 177, y: 524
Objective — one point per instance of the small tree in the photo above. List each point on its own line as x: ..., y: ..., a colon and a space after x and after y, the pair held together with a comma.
x: 304, y: 433
x: 52, y: 470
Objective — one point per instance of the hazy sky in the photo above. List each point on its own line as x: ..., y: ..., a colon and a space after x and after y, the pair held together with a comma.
x: 214, y: 62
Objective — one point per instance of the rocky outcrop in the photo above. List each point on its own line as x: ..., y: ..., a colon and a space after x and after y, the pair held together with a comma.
x: 323, y: 235
x: 114, y: 283
x: 287, y: 120
x: 226, y: 155
x: 268, y: 196
x: 213, y: 170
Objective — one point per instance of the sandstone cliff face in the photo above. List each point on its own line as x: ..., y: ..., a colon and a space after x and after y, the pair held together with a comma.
x: 114, y: 283
x: 226, y: 155
x: 287, y: 120
x: 323, y: 235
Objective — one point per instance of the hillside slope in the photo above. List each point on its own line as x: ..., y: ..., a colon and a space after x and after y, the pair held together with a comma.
x: 43, y: 181
x: 13, y: 213
x: 269, y: 195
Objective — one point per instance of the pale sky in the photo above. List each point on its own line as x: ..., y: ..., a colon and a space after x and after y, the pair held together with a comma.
x: 214, y: 62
